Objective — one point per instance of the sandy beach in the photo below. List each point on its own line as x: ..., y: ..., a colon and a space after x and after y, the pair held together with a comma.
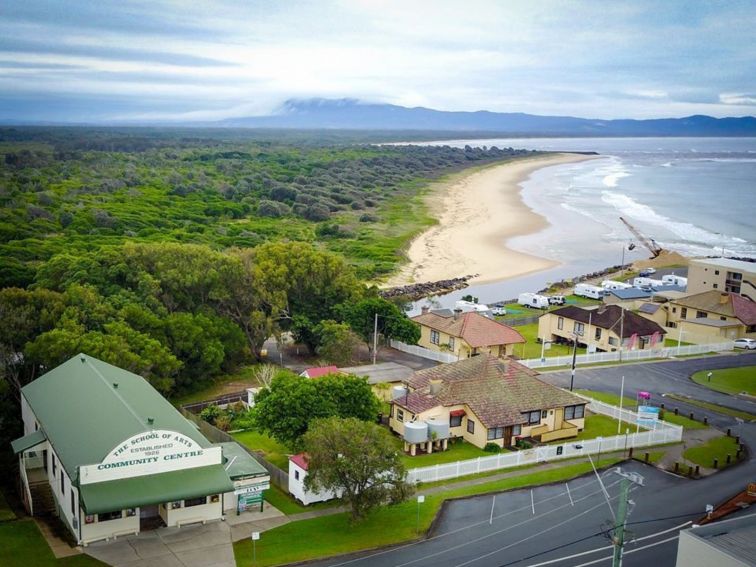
x: 477, y: 214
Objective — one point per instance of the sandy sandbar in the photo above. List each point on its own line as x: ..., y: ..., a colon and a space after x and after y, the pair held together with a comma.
x: 477, y: 214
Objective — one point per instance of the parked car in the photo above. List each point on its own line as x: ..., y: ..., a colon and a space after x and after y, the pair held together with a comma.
x: 556, y: 300
x: 498, y: 311
x: 749, y: 344
x: 647, y: 272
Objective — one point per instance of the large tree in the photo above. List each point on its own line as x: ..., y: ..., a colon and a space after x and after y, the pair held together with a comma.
x: 357, y: 459
x: 286, y: 409
x: 392, y: 322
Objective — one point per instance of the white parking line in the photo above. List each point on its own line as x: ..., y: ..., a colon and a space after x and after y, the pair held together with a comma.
x: 493, y: 503
x: 568, y: 493
x: 532, y: 503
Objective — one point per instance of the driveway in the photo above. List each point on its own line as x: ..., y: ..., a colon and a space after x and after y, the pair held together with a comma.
x: 189, y: 546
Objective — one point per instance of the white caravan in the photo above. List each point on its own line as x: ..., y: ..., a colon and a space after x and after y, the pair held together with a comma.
x: 588, y: 290
x: 610, y: 285
x: 533, y: 300
x: 467, y: 306
x: 672, y: 279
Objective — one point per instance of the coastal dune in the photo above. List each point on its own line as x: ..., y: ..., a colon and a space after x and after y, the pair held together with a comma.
x: 477, y: 214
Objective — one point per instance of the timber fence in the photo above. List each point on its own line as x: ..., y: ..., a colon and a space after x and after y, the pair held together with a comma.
x: 277, y: 476
x: 661, y: 433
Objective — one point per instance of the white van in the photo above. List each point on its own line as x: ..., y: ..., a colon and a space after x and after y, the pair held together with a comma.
x: 588, y: 290
x: 533, y: 300
x: 642, y: 283
x: 610, y: 285
x: 672, y: 279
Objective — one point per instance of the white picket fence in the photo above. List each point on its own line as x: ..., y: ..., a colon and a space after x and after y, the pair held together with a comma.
x: 424, y: 352
x: 662, y: 433
x: 628, y: 355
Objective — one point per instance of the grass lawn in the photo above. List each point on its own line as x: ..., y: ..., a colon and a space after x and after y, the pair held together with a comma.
x: 675, y: 343
x: 717, y: 448
x: 288, y: 505
x: 729, y: 380
x: 21, y: 545
x: 517, y: 311
x: 630, y: 403
x: 532, y: 348
x: 331, y: 535
x: 597, y: 425
x: 714, y: 407
x: 5, y: 512
x: 271, y: 449
x: 227, y: 384
x: 457, y: 451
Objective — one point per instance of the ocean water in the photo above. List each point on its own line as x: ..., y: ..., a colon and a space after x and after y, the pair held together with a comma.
x: 696, y: 196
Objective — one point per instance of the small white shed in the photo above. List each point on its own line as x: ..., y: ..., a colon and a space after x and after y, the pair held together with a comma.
x: 298, y: 465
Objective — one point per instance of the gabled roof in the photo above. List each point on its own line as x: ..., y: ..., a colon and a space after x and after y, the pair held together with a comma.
x: 28, y: 441
x: 721, y: 303
x: 86, y: 407
x: 475, y: 329
x: 608, y: 317
x: 300, y: 460
x: 319, y: 371
x: 238, y: 463
x: 497, y: 390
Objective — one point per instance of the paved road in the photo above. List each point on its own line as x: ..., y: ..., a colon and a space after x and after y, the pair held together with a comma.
x: 661, y: 378
x: 554, y: 526
x: 563, y: 524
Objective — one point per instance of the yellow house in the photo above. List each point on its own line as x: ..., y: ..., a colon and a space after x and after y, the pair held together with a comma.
x: 722, y: 274
x: 713, y: 315
x: 486, y: 399
x: 601, y: 328
x: 465, y: 334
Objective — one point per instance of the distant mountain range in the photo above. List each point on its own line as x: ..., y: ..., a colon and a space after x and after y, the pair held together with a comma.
x: 356, y: 115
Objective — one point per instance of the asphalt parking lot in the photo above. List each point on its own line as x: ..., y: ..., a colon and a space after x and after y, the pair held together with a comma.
x: 562, y: 524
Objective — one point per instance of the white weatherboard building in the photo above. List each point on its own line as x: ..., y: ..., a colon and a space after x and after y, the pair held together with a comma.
x: 104, y: 451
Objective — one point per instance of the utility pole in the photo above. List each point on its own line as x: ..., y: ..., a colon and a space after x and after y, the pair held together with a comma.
x: 574, y: 360
x: 618, y: 537
x: 375, y: 338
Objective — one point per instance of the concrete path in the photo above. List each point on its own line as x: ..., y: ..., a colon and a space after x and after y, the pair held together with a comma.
x: 199, y: 545
x: 50, y: 530
x: 691, y: 437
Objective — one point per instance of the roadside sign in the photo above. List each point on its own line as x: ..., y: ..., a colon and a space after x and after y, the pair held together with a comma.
x: 420, y: 498
x: 255, y: 536
x: 648, y: 415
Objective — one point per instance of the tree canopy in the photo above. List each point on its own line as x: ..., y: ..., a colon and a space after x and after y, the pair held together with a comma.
x: 356, y: 459
x: 286, y: 409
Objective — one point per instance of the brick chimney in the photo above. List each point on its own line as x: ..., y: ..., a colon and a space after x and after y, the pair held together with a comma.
x: 424, y: 309
x: 457, y: 313
x: 435, y: 386
x: 724, y: 298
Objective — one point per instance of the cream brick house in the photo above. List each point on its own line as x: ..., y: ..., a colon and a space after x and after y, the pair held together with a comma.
x: 465, y: 334
x: 486, y: 399
x: 605, y: 328
x: 713, y: 315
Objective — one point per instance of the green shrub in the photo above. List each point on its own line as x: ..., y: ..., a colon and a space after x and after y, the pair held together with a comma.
x: 210, y: 414
x: 492, y: 448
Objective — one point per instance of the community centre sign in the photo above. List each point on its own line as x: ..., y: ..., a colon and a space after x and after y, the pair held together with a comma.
x: 150, y: 452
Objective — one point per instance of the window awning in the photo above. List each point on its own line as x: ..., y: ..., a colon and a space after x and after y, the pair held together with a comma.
x: 457, y: 412
x: 28, y: 441
x: 148, y: 490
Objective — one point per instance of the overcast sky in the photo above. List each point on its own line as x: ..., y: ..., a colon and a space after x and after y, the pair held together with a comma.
x: 85, y: 60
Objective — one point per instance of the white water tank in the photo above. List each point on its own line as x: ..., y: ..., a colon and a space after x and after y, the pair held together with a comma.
x: 438, y: 426
x: 415, y: 432
x: 398, y: 392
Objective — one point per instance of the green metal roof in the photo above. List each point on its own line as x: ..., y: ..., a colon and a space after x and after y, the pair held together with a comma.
x: 238, y: 463
x: 85, y: 415
x: 153, y: 489
x: 28, y: 441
